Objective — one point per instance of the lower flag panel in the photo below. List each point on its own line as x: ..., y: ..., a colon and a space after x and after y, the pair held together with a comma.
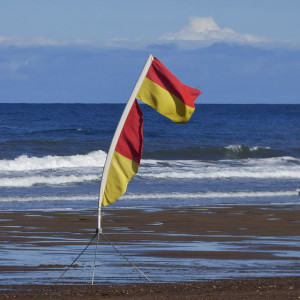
x: 121, y: 170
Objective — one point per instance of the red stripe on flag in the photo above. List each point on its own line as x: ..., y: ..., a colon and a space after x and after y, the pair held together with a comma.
x: 130, y: 143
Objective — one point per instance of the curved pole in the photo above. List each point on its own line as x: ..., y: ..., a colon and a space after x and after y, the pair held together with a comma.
x: 117, y: 135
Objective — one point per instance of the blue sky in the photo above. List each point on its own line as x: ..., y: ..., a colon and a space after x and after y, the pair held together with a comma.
x: 77, y: 40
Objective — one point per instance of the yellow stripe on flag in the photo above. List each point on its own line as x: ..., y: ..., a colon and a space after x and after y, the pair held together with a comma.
x: 121, y: 170
x: 164, y: 102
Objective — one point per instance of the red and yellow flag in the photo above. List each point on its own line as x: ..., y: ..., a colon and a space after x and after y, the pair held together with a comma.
x: 126, y: 157
x: 159, y: 88
x: 165, y: 93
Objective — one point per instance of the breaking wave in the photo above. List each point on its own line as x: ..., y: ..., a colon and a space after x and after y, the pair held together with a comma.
x: 97, y: 158
x: 43, y: 180
x: 25, y: 171
x: 226, y: 174
x: 25, y: 163
x: 262, y: 168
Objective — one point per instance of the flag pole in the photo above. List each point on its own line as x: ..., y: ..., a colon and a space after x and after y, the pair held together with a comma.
x: 117, y: 135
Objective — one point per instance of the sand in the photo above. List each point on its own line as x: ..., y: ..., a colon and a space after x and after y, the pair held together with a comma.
x: 271, y: 234
x: 270, y: 288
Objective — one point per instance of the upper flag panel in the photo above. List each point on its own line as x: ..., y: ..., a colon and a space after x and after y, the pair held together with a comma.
x: 165, y: 93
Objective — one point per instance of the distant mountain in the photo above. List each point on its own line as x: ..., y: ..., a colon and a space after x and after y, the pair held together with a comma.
x: 226, y: 73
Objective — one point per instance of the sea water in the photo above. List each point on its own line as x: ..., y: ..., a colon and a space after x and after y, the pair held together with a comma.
x: 52, y: 156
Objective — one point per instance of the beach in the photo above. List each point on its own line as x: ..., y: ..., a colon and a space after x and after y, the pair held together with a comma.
x: 212, y: 213
x: 233, y: 251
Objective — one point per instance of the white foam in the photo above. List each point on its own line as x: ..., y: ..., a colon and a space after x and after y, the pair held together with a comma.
x: 240, y: 148
x: 226, y: 174
x: 262, y: 168
x: 50, y: 198
x: 25, y: 163
x: 43, y: 180
x: 157, y: 196
x: 27, y: 171
x: 239, y: 194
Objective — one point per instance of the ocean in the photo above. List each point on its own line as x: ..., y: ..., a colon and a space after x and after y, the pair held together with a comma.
x: 52, y: 156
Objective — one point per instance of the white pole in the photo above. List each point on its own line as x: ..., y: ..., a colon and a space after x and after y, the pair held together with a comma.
x: 117, y: 135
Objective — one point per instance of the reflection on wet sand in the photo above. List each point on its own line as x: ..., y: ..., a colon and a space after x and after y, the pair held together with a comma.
x: 168, y: 245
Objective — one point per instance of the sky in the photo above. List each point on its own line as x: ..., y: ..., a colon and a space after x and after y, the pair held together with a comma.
x: 55, y: 51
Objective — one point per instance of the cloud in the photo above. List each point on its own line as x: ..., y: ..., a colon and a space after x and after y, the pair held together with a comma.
x: 206, y: 30
x: 200, y: 32
x: 18, y: 41
x: 29, y: 42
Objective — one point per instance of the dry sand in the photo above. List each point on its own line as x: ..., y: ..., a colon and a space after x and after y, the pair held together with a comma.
x: 270, y: 288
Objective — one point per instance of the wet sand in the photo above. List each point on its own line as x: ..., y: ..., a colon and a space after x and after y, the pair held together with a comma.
x: 159, y: 240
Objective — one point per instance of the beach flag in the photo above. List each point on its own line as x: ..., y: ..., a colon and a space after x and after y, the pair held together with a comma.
x: 165, y: 93
x: 126, y: 157
x: 159, y: 88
